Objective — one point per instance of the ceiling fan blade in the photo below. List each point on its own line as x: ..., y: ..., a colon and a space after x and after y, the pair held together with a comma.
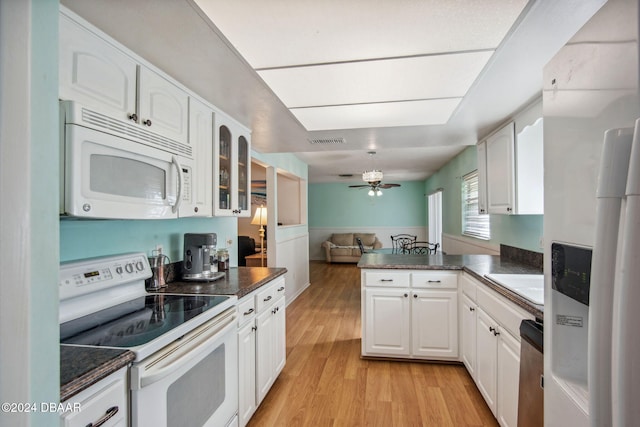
x: 359, y: 186
x: 389, y: 185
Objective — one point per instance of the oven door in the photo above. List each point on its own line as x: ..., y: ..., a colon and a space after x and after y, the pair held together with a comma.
x: 193, y: 382
x: 107, y: 176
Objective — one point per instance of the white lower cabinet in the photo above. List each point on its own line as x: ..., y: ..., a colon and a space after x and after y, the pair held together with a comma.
x: 415, y: 321
x: 508, y: 379
x: 491, y: 347
x: 487, y: 360
x: 434, y: 324
x: 104, y: 403
x: 262, y: 345
x: 386, y: 325
x: 468, y: 320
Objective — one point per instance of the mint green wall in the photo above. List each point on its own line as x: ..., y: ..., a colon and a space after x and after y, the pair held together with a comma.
x: 43, y: 378
x: 522, y: 231
x: 90, y: 238
x: 337, y: 205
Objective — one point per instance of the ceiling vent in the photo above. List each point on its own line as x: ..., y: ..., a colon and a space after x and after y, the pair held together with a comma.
x: 327, y: 141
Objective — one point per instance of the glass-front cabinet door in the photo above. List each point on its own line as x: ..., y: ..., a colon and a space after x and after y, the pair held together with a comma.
x: 232, y: 176
x: 243, y: 174
x: 224, y: 169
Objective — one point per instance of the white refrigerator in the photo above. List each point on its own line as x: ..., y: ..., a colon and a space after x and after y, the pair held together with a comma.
x: 592, y: 224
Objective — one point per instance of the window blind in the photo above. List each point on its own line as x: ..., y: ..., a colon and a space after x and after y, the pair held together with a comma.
x: 473, y: 223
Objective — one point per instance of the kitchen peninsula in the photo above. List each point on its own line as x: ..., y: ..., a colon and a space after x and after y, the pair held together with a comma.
x: 444, y: 308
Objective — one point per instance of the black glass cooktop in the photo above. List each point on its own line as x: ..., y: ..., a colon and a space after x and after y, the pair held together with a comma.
x: 136, y: 322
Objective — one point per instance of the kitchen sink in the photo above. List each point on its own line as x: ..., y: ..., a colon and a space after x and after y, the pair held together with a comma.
x: 528, y: 286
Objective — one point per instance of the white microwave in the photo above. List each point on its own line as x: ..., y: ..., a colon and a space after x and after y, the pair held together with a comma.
x: 114, y: 169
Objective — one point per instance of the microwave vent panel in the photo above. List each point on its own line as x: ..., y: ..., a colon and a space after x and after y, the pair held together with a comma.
x: 135, y: 132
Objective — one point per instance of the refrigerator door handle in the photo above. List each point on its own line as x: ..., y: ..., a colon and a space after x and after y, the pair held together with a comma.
x: 627, y: 321
x: 609, y: 195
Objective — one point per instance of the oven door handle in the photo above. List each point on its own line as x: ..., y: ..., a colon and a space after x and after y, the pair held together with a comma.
x: 181, y: 351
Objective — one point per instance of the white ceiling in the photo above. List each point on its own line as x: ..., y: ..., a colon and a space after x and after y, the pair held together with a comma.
x: 415, y: 80
x: 364, y: 63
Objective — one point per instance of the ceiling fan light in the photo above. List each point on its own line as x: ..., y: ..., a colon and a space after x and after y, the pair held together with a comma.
x: 378, y: 192
x: 372, y: 176
x: 371, y: 192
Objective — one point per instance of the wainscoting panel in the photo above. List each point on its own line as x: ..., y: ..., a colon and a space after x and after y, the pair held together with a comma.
x: 293, y: 254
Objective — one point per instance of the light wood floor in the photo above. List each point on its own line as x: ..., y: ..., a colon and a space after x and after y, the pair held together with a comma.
x: 326, y: 383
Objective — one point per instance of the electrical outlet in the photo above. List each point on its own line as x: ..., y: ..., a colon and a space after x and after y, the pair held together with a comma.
x: 229, y: 241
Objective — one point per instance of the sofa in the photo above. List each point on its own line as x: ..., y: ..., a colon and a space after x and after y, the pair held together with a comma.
x: 343, y: 247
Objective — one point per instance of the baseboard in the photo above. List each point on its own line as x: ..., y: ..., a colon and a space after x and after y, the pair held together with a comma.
x: 297, y: 294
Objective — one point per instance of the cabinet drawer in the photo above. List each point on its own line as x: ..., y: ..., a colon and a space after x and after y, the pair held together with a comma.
x: 468, y: 285
x: 246, y: 310
x: 97, y: 402
x: 265, y: 296
x: 386, y: 278
x: 434, y: 280
x: 280, y: 287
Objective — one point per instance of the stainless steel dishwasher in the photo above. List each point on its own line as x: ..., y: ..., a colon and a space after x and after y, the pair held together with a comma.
x: 531, y: 394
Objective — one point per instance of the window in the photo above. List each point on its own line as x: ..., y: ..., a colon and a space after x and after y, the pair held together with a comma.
x: 473, y: 224
x: 435, y: 217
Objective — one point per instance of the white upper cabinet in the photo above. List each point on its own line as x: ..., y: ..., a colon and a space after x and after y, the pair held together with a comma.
x: 163, y: 107
x: 232, y: 168
x: 101, y: 75
x: 530, y: 168
x: 500, y: 171
x: 94, y: 72
x: 482, y: 178
x: 510, y: 167
x: 201, y: 140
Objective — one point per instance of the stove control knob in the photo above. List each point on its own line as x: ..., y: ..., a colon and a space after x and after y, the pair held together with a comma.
x: 119, y: 269
x: 139, y: 266
x: 129, y: 268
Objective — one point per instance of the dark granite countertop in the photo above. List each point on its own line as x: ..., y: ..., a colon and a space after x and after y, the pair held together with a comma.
x: 238, y: 281
x: 475, y: 265
x: 81, y: 367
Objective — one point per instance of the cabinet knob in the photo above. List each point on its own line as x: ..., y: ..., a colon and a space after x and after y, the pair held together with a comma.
x: 195, y: 209
x: 254, y: 328
x: 495, y: 333
x: 147, y: 122
x: 133, y: 117
x: 472, y: 309
x: 509, y: 209
x: 406, y: 295
x: 491, y: 329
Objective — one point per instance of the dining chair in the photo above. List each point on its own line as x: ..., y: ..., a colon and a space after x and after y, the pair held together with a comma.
x: 360, y: 245
x: 400, y: 241
x: 422, y: 248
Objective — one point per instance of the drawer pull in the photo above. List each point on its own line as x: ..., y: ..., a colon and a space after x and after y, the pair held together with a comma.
x: 434, y: 281
x: 280, y: 289
x: 106, y: 417
x: 386, y: 280
x: 246, y: 313
x: 267, y: 298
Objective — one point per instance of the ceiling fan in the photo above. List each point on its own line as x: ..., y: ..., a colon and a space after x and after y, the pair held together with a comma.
x: 373, y: 178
